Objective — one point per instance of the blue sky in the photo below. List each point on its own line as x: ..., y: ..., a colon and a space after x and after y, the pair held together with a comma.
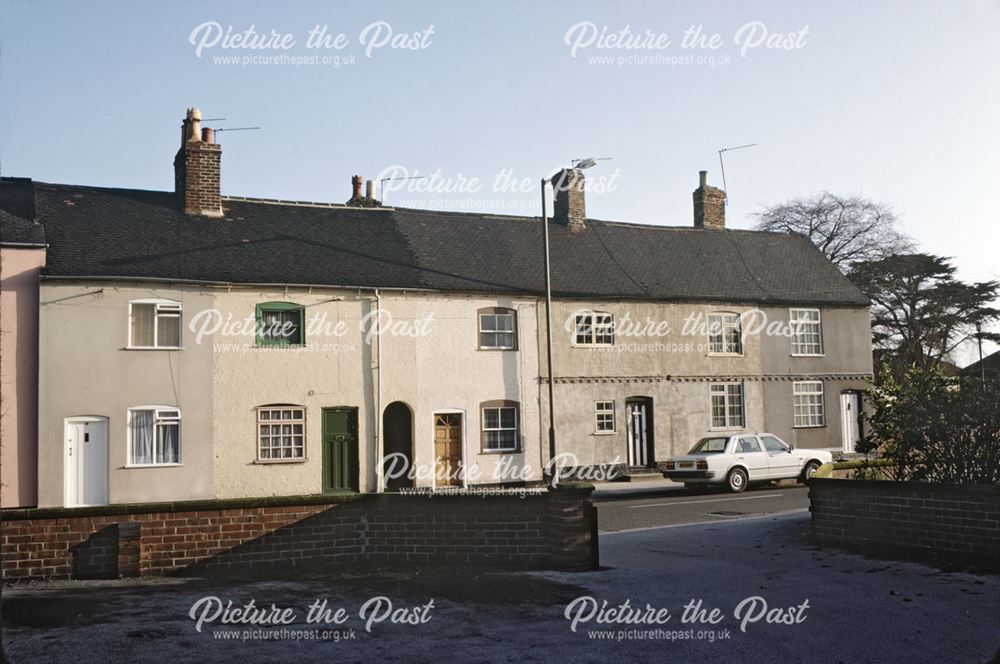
x: 896, y: 101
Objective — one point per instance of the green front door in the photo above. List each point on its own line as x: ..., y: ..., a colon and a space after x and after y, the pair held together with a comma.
x: 340, y: 449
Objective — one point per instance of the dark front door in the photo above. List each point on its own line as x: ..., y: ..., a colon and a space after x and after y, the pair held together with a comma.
x: 397, y: 447
x: 340, y: 449
x: 639, y: 420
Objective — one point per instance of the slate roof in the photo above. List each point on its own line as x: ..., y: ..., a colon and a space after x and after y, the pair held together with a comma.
x: 992, y: 363
x: 102, y: 232
x: 17, y: 231
x: 17, y: 213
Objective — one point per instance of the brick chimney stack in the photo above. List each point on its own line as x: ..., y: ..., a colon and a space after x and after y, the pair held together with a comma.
x: 198, y: 168
x: 709, y: 204
x: 568, y: 205
x: 367, y: 199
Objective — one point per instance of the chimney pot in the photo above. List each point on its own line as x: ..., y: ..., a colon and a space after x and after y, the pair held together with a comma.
x: 356, y: 182
x: 370, y: 189
x: 702, y: 178
x: 207, y: 135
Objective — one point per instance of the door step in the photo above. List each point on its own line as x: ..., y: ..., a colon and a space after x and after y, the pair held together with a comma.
x: 641, y: 476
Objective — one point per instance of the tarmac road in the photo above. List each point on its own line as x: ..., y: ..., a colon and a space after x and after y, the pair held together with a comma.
x: 684, y: 507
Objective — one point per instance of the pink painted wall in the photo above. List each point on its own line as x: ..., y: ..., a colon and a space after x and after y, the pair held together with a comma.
x: 19, y: 270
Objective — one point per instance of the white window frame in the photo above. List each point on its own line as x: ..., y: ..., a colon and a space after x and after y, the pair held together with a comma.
x: 485, y: 428
x: 724, y: 322
x: 808, y: 394
x: 605, y: 411
x: 280, y: 407
x: 510, y: 313
x: 794, y: 324
x: 606, y: 327
x: 165, y: 420
x: 713, y: 392
x: 170, y: 309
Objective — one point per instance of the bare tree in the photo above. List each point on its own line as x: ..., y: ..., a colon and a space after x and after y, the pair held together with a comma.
x: 846, y: 229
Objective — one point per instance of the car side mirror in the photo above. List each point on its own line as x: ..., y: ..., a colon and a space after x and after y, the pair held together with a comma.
x: 791, y: 448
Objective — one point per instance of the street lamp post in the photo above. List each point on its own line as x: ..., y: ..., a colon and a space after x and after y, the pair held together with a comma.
x: 982, y: 365
x: 580, y: 164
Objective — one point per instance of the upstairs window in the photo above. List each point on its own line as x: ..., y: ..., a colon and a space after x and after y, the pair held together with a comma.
x: 497, y: 329
x: 154, y: 324
x: 499, y: 426
x: 280, y: 324
x: 724, y: 334
x: 595, y: 329
x: 154, y: 436
x: 727, y: 405
x: 807, y: 332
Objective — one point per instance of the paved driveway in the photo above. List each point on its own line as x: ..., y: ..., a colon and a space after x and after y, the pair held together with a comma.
x: 859, y: 610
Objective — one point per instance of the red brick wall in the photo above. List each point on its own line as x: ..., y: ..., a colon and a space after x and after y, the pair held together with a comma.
x: 556, y: 529
x: 908, y: 519
x: 52, y: 547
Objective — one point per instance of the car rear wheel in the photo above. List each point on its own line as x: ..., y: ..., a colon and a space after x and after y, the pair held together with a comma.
x: 808, y: 471
x: 736, y: 480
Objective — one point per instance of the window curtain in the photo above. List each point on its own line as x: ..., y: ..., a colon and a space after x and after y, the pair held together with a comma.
x: 143, y: 320
x: 141, y: 429
x: 169, y: 443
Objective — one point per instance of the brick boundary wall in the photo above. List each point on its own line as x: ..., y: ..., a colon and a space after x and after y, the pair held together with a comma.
x: 911, y: 520
x: 556, y: 529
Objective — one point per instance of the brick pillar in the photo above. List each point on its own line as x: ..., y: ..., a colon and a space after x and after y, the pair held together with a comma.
x: 573, y: 527
x: 129, y: 548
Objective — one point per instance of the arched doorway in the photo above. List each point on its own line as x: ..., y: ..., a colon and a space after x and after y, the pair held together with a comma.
x: 397, y: 440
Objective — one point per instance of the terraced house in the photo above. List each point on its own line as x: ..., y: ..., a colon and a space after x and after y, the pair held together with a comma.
x: 192, y: 345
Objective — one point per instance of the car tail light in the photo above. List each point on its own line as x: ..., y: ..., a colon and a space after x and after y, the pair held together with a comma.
x: 702, y: 464
x: 670, y: 465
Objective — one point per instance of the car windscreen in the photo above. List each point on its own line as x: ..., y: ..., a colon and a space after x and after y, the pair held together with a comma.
x: 709, y: 446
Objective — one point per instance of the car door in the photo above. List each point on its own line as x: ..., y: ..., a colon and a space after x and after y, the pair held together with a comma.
x: 783, y: 463
x: 749, y: 452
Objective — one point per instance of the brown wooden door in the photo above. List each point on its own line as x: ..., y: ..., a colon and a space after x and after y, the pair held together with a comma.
x: 448, y: 449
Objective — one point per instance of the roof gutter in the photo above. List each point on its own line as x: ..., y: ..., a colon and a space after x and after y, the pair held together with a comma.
x: 231, y: 284
x: 25, y: 245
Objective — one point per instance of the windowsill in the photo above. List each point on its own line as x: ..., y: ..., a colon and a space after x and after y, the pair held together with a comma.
x: 153, y: 348
x: 738, y: 428
x: 491, y: 348
x: 272, y: 462
x: 810, y: 426
x: 593, y: 346
x: 808, y: 355
x: 130, y: 466
x: 511, y: 451
x: 604, y: 433
x: 711, y: 354
x: 288, y: 346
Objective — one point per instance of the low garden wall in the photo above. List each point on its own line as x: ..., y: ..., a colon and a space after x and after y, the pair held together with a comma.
x: 554, y: 529
x: 922, y: 521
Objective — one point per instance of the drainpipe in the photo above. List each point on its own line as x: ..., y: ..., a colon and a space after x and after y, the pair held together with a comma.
x: 377, y: 387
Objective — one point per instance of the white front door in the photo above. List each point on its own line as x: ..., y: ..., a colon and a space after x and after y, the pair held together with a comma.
x: 850, y: 409
x: 637, y: 418
x: 86, y: 461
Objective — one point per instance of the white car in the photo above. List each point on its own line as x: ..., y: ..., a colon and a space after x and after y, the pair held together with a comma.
x: 736, y: 460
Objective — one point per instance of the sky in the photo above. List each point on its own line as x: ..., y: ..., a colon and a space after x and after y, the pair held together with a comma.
x: 895, y: 101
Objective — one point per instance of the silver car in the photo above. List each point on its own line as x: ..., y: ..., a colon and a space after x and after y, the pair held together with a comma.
x: 737, y: 460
